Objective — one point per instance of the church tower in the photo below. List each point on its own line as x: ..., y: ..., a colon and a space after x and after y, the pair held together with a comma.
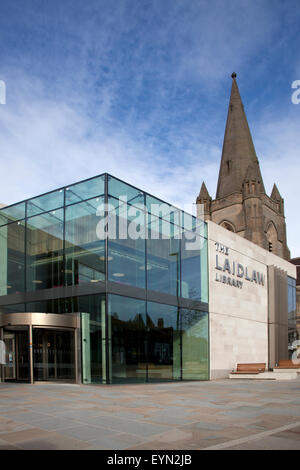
x: 241, y: 203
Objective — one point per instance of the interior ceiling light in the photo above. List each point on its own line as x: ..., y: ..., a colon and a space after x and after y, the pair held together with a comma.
x: 109, y: 258
x: 142, y: 268
x: 119, y: 274
x: 37, y: 281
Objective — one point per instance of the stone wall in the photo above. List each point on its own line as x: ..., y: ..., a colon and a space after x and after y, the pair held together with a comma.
x: 238, y: 299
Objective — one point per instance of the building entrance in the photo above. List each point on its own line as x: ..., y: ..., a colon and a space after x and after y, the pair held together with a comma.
x: 16, y: 355
x: 53, y: 354
x: 40, y: 347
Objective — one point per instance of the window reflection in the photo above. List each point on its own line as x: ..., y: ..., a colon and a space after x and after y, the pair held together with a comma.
x: 85, y: 190
x: 45, y: 251
x: 126, y: 256
x: 84, y: 252
x: 163, y: 257
x: 12, y: 213
x: 45, y: 203
x: 127, y: 341
x: 12, y: 256
x: 118, y: 189
x: 163, y: 325
x: 195, y: 346
x: 191, y: 266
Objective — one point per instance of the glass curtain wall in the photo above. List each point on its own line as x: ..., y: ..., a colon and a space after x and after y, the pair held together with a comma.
x: 51, y: 240
x: 150, y: 341
x: 55, y: 240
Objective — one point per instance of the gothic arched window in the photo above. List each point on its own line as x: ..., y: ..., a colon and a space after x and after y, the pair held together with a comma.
x: 228, y: 226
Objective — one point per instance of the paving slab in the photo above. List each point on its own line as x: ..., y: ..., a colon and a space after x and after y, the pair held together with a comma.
x: 187, y: 415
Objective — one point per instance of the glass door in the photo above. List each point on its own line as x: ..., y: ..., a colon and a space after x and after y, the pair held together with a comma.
x: 22, y: 355
x: 10, y: 356
x: 53, y: 354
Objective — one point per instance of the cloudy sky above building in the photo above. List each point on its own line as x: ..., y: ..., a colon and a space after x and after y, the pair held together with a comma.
x: 140, y: 89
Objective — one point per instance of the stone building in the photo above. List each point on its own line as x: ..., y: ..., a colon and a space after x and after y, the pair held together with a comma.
x: 241, y: 204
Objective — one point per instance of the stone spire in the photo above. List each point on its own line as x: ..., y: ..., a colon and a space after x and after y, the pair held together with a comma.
x: 276, y: 196
x: 203, y: 199
x: 204, y: 194
x: 275, y: 193
x: 238, y: 150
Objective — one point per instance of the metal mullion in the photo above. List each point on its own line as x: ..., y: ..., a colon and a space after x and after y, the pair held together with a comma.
x: 45, y: 212
x: 146, y: 287
x: 64, y: 241
x: 54, y: 190
x: 106, y: 280
x: 25, y: 255
x: 180, y: 308
x: 12, y: 222
x: 84, y: 200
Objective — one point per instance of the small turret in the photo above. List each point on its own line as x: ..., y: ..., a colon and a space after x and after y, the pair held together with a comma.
x: 204, y: 199
x: 252, y: 184
x: 276, y: 196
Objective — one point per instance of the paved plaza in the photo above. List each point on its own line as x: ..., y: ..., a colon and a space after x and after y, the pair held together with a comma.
x: 221, y: 414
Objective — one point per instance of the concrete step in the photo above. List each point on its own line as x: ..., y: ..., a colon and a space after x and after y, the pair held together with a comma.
x: 284, y: 374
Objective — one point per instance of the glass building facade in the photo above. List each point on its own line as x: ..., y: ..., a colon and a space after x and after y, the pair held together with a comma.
x: 133, y: 269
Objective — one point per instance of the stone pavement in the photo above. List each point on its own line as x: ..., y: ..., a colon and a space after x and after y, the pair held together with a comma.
x: 221, y: 414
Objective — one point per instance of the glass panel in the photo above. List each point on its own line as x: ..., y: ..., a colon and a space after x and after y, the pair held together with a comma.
x: 192, y: 283
x: 163, y: 324
x: 22, y: 354
x: 127, y: 339
x: 85, y: 253
x: 54, y: 354
x: 190, y: 222
x: 45, y: 203
x: 129, y: 194
x: 163, y: 256
x: 195, y: 346
x: 85, y: 190
x: 10, y: 356
x: 45, y: 251
x: 161, y: 209
x: 12, y: 213
x: 47, y: 306
x: 126, y: 244
x: 93, y: 331
x: 12, y: 308
x: 12, y: 256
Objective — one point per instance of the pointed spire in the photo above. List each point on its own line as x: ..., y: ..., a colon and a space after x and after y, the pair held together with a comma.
x: 238, y: 150
x: 204, y: 203
x: 275, y: 194
x: 204, y: 194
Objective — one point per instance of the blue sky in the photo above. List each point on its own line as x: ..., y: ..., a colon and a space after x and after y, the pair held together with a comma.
x: 140, y: 89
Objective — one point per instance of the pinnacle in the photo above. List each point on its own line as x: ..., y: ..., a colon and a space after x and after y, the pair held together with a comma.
x: 238, y: 150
